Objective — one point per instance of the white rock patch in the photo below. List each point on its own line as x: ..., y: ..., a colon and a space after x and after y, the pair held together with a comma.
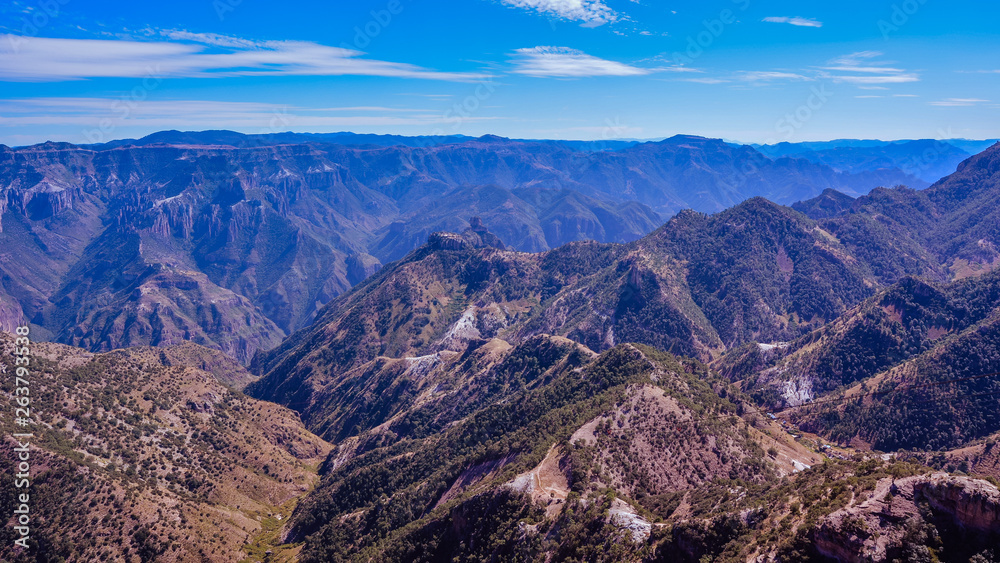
x: 625, y: 517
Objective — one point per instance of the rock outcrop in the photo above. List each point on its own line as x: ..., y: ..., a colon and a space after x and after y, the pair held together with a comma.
x: 878, y: 528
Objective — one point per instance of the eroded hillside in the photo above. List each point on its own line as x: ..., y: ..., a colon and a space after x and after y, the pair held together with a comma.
x: 140, y: 453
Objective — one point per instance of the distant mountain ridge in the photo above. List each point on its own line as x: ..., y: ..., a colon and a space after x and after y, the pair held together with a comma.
x: 926, y: 159
x: 232, y: 138
x: 235, y: 241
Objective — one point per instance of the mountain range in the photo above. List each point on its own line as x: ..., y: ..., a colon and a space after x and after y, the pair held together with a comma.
x: 235, y: 241
x: 699, y: 285
x: 927, y: 159
x: 873, y: 321
x: 420, y: 353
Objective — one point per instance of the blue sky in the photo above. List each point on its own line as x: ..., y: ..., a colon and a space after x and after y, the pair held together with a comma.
x: 745, y: 70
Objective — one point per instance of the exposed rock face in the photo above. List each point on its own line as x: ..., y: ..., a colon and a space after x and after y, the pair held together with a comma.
x: 974, y: 504
x: 480, y: 237
x: 876, y: 530
x: 360, y: 266
x: 10, y: 313
x: 447, y: 241
x: 477, y: 236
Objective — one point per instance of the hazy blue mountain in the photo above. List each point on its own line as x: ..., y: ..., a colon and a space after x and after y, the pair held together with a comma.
x: 927, y: 160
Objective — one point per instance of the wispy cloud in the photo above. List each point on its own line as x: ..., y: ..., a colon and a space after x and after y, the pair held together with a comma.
x: 959, y: 102
x: 768, y: 76
x: 705, y: 80
x: 204, y: 114
x: 429, y: 96
x: 597, y: 132
x: 351, y: 109
x: 797, y: 21
x: 591, y: 13
x: 208, y: 38
x: 861, y: 69
x: 191, y: 55
x: 751, y: 77
x: 887, y: 79
x: 664, y: 63
x: 563, y: 62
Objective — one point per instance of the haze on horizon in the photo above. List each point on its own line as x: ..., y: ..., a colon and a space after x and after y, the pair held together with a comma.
x: 753, y: 72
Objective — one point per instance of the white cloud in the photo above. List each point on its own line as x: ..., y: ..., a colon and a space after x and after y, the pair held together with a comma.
x: 91, y: 113
x: 753, y: 77
x: 705, y: 80
x: 563, y: 62
x: 861, y: 69
x: 675, y: 68
x: 767, y: 76
x: 856, y: 62
x: 864, y: 69
x: 208, y: 39
x: 888, y: 79
x: 856, y: 58
x: 959, y: 102
x: 191, y: 55
x: 796, y: 21
x: 591, y: 12
x: 374, y: 108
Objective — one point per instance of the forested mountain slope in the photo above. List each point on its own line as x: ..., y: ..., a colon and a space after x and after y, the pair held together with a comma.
x: 140, y: 454
x: 695, y: 287
x: 632, y: 455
